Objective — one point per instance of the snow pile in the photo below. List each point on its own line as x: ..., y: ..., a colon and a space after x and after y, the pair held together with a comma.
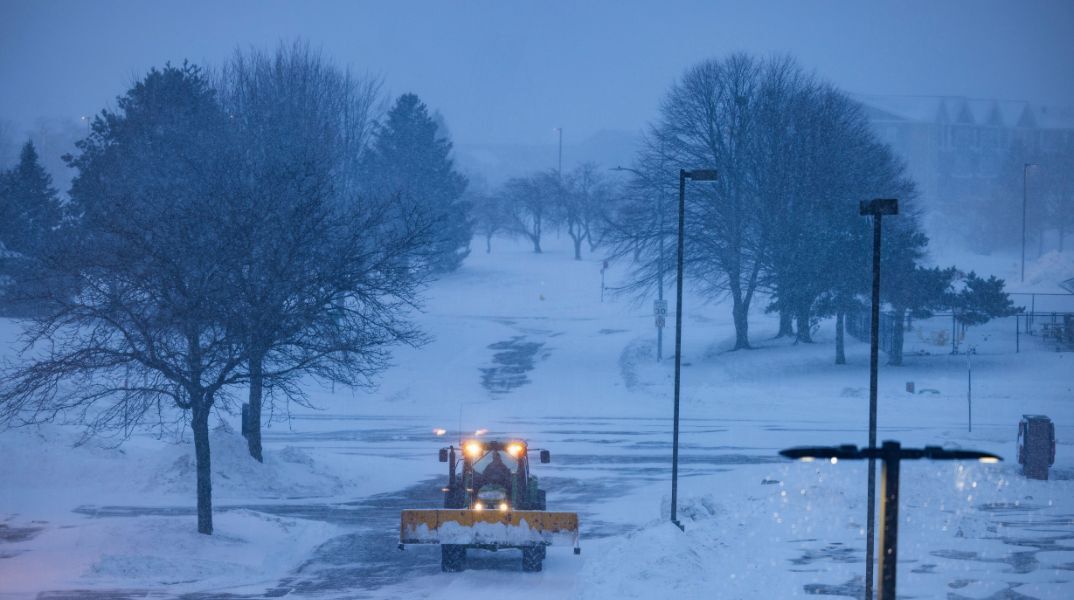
x: 1050, y: 269
x: 287, y: 473
x: 244, y: 544
x: 657, y: 561
x: 692, y: 509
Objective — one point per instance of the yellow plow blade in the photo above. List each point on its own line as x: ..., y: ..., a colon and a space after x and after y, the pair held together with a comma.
x: 491, y: 527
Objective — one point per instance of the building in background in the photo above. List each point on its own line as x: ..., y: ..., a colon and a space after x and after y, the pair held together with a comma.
x: 964, y: 152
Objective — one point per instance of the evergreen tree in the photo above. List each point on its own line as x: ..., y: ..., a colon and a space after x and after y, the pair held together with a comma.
x: 981, y: 300
x: 31, y: 207
x: 409, y: 159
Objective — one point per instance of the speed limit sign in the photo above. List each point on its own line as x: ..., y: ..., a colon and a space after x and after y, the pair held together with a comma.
x: 660, y: 308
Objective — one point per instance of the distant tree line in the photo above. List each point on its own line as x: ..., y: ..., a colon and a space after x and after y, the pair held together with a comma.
x: 242, y: 229
x: 578, y: 203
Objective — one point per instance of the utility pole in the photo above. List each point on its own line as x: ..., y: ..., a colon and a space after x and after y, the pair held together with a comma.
x: 559, y: 167
x: 875, y: 208
x: 697, y: 175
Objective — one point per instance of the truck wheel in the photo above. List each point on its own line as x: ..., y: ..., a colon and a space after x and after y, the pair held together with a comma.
x: 532, y: 556
x: 452, y: 558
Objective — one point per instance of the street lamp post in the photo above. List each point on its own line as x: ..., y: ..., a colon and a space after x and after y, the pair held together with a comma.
x: 696, y: 175
x: 891, y: 453
x: 875, y: 208
x: 1025, y: 177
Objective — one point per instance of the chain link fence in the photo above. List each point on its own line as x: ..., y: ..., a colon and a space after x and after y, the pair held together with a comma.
x: 1046, y: 324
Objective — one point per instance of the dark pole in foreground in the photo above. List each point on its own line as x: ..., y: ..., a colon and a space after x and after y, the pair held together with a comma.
x: 889, y: 520
x: 698, y: 175
x: 875, y: 208
x: 891, y: 453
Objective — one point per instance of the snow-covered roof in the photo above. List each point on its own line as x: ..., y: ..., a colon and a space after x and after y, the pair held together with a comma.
x: 963, y: 110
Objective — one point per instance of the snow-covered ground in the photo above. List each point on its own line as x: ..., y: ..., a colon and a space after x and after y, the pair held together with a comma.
x: 524, y: 346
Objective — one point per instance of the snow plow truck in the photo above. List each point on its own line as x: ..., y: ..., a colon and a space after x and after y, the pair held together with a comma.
x: 491, y: 502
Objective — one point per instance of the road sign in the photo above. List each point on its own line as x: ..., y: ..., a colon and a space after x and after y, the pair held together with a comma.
x: 660, y: 321
x: 660, y: 309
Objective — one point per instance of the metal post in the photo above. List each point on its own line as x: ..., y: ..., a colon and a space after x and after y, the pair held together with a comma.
x: 559, y: 168
x: 874, y: 359
x: 889, y: 517
x: 954, y: 334
x: 969, y: 391
x: 678, y: 352
x: 891, y: 453
x: 875, y: 208
x: 1017, y: 333
x: 1025, y: 171
x: 660, y: 288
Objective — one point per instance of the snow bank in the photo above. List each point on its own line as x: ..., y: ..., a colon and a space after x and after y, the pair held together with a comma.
x: 158, y: 552
x: 287, y: 473
x: 1050, y: 269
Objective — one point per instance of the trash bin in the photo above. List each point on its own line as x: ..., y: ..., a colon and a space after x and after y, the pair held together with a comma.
x: 1036, y: 445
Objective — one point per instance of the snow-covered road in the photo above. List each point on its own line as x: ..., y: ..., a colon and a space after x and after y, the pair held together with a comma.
x: 524, y: 348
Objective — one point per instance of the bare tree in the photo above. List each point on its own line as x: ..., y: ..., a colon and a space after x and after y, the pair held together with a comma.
x: 581, y: 198
x: 144, y: 335
x: 529, y: 203
x: 706, y: 122
x: 328, y: 273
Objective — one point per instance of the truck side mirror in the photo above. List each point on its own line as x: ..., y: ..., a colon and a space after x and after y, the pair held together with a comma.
x: 546, y: 456
x: 443, y: 455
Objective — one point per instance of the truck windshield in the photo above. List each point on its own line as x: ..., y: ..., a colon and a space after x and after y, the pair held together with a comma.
x: 508, y: 461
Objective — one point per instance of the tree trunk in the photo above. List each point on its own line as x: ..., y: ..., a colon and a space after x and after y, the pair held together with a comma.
x: 740, y: 312
x: 200, y: 424
x: 840, y: 355
x: 536, y: 244
x: 488, y: 244
x: 257, y: 379
x: 895, y: 356
x: 577, y: 247
x: 804, y: 334
x: 786, y: 322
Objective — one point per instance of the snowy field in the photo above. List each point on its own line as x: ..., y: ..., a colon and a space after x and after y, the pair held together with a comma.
x: 524, y: 346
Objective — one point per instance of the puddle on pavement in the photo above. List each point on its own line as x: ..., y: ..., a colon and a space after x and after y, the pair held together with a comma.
x: 511, y: 363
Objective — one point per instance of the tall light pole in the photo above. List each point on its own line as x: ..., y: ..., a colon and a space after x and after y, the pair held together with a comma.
x: 559, y: 164
x: 876, y: 209
x: 1025, y: 177
x: 696, y: 175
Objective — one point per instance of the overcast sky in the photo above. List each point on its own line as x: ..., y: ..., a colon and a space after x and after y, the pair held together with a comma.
x: 504, y: 71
